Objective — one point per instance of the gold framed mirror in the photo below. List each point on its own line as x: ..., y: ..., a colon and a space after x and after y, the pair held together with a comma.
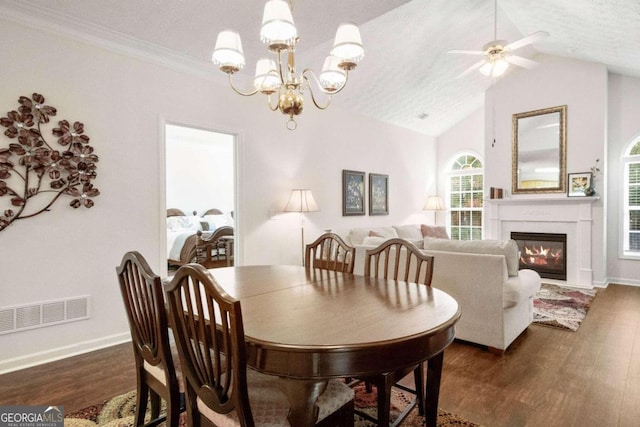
x: 539, y: 151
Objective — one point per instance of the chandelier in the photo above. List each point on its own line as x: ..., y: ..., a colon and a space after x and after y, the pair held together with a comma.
x: 278, y: 79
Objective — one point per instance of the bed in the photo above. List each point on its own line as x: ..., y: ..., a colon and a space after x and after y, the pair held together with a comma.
x: 207, y: 240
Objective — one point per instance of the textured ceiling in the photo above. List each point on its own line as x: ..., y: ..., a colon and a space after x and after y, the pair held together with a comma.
x: 406, y: 70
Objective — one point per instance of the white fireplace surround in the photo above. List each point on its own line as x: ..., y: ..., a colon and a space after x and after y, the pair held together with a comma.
x: 569, y: 215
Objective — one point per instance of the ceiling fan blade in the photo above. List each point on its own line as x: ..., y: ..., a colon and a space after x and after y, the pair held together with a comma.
x: 467, y: 52
x: 520, y: 61
x: 531, y: 38
x: 471, y: 69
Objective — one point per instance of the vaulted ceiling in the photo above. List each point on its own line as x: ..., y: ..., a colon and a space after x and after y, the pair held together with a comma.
x: 406, y: 71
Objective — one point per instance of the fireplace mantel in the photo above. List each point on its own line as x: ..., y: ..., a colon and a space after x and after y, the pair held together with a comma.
x: 569, y: 215
x: 542, y: 200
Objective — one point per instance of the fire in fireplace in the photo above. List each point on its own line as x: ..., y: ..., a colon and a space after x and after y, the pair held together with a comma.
x: 545, y: 253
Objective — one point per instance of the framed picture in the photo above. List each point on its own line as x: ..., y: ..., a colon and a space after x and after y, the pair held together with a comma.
x: 352, y: 193
x: 378, y: 194
x: 578, y: 184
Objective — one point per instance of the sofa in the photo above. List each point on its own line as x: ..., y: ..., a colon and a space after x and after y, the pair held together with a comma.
x: 495, y: 296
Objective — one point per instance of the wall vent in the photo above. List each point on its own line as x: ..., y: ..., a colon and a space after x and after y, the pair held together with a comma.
x: 41, y: 314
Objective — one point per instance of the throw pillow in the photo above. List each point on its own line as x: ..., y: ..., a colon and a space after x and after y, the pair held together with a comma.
x: 373, y: 240
x: 434, y: 231
x: 509, y: 249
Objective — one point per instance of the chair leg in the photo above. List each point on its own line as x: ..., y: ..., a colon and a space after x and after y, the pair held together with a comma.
x: 155, y: 404
x: 142, y: 397
x: 173, y: 409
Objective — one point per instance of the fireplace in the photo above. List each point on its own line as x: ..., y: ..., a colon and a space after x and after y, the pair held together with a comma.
x: 545, y: 253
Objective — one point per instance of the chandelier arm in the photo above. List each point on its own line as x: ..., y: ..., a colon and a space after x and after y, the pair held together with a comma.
x: 239, y: 92
x: 313, y: 97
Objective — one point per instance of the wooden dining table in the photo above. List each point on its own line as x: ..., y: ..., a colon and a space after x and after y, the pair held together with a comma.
x: 309, y: 326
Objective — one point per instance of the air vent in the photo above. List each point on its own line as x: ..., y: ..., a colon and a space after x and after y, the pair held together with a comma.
x: 41, y: 314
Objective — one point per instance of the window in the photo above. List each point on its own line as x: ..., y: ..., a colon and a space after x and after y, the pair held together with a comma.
x: 631, y: 209
x: 466, y: 182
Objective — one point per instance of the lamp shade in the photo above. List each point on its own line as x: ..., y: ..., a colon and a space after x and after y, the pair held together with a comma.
x: 267, y: 79
x: 434, y: 203
x: 348, y: 43
x: 332, y: 77
x: 301, y: 201
x: 228, y: 51
x: 278, y: 29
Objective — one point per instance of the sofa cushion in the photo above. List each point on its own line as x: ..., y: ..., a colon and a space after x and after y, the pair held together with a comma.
x: 357, y: 235
x: 433, y: 231
x: 373, y: 241
x: 518, y: 290
x: 409, y: 232
x: 509, y: 249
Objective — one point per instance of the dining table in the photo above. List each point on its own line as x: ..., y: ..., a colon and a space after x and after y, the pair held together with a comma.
x: 307, y: 326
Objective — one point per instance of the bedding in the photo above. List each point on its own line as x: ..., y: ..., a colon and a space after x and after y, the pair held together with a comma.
x: 197, y: 239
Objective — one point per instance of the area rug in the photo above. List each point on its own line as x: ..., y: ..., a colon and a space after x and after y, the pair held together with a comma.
x: 561, y: 307
x: 119, y: 412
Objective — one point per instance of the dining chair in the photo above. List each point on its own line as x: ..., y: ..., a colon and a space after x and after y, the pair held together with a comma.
x: 157, y: 368
x: 398, y: 259
x: 220, y: 390
x: 330, y: 252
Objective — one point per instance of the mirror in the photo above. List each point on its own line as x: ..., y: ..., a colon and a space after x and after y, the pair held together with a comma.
x: 539, y: 151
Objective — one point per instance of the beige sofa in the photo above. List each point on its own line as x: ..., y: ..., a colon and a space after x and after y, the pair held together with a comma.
x: 496, y: 298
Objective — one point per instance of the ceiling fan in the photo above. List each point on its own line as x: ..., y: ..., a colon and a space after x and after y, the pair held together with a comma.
x: 498, y: 53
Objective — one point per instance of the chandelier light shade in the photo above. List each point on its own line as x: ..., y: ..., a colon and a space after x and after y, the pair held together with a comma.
x: 301, y: 201
x: 277, y: 78
x: 228, y: 52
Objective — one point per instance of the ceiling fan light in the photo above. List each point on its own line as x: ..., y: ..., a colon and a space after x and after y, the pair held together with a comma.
x: 332, y: 77
x: 266, y: 79
x: 278, y: 29
x: 228, y: 52
x: 494, y: 68
x: 347, y: 45
x: 499, y: 67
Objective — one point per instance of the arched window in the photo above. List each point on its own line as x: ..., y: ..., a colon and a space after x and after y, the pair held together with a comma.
x: 631, y: 200
x: 466, y: 194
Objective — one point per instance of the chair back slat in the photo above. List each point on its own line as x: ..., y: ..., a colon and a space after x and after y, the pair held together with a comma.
x: 209, y: 334
x: 144, y: 303
x: 417, y: 266
x: 330, y: 252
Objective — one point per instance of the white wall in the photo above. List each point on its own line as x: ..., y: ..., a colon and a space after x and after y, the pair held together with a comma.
x: 123, y: 103
x: 582, y: 86
x: 623, y: 128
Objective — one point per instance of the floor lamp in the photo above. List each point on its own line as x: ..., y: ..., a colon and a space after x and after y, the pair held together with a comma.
x: 434, y: 203
x: 301, y: 201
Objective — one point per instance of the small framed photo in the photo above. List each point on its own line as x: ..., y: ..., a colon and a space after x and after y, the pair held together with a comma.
x: 378, y: 194
x: 578, y: 184
x: 352, y: 193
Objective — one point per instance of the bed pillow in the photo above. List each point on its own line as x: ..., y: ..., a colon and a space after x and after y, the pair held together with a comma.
x: 217, y: 221
x: 434, y: 231
x: 509, y: 249
x: 183, y: 223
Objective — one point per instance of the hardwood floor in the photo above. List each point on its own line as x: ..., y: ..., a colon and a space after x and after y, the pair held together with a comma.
x: 548, y: 377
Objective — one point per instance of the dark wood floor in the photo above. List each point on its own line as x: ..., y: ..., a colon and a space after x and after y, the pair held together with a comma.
x: 549, y: 377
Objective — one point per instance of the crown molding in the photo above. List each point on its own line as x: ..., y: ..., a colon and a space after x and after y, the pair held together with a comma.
x: 43, y: 19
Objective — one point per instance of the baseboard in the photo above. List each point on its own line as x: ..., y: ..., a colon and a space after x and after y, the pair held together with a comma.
x: 621, y: 281
x: 59, y: 353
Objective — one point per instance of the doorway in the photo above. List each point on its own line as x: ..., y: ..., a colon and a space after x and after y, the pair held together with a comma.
x: 200, y: 193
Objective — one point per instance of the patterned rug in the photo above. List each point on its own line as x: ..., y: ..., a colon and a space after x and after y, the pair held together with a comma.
x: 119, y: 412
x: 561, y: 307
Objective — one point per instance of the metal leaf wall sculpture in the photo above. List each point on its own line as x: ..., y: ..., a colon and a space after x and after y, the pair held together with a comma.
x: 33, y: 173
